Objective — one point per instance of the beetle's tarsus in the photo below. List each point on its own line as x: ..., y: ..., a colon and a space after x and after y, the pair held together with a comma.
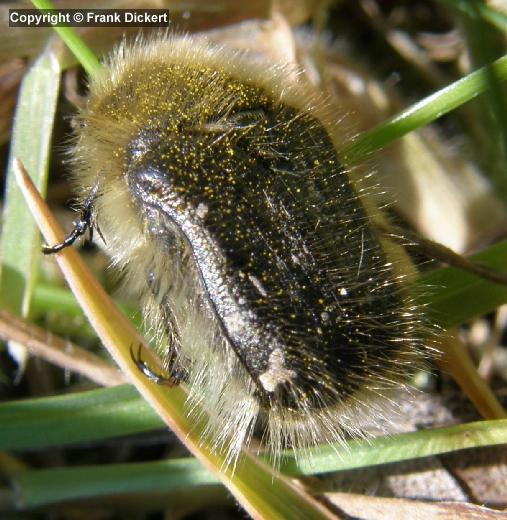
x: 85, y: 223
x: 172, y: 379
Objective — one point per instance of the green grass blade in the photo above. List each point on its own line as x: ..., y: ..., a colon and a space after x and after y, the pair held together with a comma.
x: 81, y: 51
x: 31, y: 141
x: 484, y: 44
x: 453, y: 296
x: 47, y: 487
x: 396, y: 448
x: 423, y: 112
x: 61, y: 301
x: 86, y: 416
x: 112, y: 412
x: 487, y: 13
x: 55, y: 298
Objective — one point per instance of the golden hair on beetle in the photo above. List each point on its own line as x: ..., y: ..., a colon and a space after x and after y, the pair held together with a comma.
x: 216, y: 184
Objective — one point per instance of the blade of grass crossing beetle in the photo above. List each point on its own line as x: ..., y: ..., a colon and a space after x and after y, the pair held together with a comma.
x: 262, y: 491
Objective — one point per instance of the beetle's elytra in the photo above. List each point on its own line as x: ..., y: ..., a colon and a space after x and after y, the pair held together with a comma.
x: 221, y: 196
